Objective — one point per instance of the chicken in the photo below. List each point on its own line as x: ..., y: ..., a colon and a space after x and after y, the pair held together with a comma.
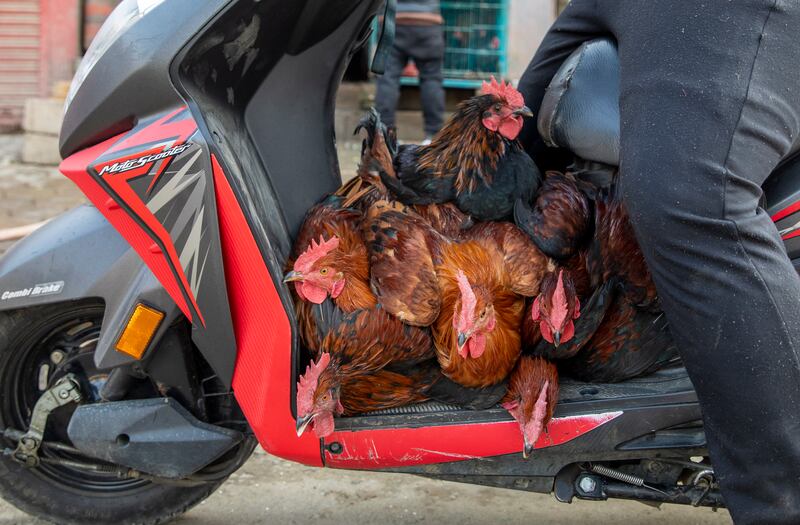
x: 368, y: 361
x: 560, y: 220
x: 471, y: 290
x: 531, y: 398
x: 621, y: 333
x: 633, y: 336
x: 332, y: 263
x: 475, y: 161
x: 628, y: 343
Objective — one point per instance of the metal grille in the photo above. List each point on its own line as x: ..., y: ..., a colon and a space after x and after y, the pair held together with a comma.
x: 475, y: 36
x: 19, y: 58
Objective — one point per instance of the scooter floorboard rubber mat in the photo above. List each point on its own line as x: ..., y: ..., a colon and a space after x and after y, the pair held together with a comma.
x: 666, y: 381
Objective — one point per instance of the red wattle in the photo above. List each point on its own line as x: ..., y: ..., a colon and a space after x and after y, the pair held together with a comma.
x: 546, y: 333
x: 568, y: 332
x: 312, y: 293
x: 323, y: 425
x: 510, y: 127
x: 477, y: 345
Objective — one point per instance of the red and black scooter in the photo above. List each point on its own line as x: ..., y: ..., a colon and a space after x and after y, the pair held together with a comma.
x: 147, y: 342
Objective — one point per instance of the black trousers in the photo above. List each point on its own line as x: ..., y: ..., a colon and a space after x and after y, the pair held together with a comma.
x: 710, y: 103
x: 425, y: 45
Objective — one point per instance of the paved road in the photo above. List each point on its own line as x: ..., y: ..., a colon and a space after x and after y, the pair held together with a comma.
x: 269, y: 490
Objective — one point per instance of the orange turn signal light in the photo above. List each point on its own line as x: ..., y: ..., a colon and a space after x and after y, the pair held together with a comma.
x: 139, y: 331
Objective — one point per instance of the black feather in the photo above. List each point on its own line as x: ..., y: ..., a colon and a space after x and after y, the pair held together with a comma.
x: 446, y: 391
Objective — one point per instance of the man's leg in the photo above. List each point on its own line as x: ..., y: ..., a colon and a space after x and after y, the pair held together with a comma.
x: 709, y: 102
x: 428, y: 54
x: 388, y: 85
x: 576, y: 24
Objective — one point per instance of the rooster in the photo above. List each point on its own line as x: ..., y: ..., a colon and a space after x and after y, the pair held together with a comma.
x: 368, y: 361
x: 632, y: 337
x: 475, y: 160
x: 621, y: 332
x: 531, y: 398
x: 471, y: 290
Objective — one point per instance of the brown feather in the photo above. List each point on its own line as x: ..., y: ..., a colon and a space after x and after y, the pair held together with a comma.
x: 616, y: 252
x: 483, y: 268
x: 401, y: 262
x: 526, y: 382
x: 464, y: 148
x: 523, y: 264
x: 362, y: 346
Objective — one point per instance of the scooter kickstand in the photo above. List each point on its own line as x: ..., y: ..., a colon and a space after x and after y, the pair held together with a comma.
x: 66, y: 390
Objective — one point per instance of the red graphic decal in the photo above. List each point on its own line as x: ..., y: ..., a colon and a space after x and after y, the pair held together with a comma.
x: 164, y: 263
x: 791, y: 235
x: 782, y: 214
x: 373, y: 449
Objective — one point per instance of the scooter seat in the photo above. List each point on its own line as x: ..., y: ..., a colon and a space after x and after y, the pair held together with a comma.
x: 580, y: 110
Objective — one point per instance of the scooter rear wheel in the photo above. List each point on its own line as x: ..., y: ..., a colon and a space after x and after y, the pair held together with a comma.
x: 37, y: 347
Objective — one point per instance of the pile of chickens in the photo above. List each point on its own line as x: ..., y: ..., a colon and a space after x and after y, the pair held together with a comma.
x: 412, y: 283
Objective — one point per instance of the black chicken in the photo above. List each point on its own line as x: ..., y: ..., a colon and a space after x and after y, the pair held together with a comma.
x: 475, y: 161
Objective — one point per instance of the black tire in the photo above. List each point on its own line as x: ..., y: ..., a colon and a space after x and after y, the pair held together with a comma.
x: 58, y: 494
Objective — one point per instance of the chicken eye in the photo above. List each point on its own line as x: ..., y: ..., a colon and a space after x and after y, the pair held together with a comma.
x: 498, y: 107
x: 324, y: 271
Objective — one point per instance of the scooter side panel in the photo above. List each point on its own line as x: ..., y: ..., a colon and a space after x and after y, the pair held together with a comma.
x: 61, y: 261
x: 262, y: 382
x: 154, y: 184
x: 79, y: 255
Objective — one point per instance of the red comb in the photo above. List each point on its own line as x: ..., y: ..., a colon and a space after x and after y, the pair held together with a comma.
x: 307, y: 384
x: 468, y: 300
x: 315, y: 251
x: 503, y: 90
x: 559, y: 306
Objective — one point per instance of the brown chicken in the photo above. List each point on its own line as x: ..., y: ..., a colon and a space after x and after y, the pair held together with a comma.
x: 369, y: 361
x: 364, y: 366
x: 621, y: 332
x: 331, y: 261
x: 532, y: 397
x: 632, y: 337
x: 559, y: 223
x: 471, y: 290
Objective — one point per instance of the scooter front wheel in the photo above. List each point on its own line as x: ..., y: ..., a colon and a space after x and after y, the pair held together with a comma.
x: 38, y: 347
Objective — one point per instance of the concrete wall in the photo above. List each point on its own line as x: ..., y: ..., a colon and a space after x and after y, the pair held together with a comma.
x: 528, y: 23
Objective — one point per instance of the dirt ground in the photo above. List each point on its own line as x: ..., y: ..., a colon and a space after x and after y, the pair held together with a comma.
x: 269, y: 490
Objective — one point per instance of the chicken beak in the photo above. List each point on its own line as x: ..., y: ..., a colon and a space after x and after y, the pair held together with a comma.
x: 462, y: 340
x: 524, y: 111
x: 302, y: 423
x: 527, y: 450
x: 292, y: 276
x: 556, y: 338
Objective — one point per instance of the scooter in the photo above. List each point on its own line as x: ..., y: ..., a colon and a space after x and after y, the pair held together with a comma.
x: 147, y: 342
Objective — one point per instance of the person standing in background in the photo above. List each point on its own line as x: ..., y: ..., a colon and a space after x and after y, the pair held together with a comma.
x: 419, y: 37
